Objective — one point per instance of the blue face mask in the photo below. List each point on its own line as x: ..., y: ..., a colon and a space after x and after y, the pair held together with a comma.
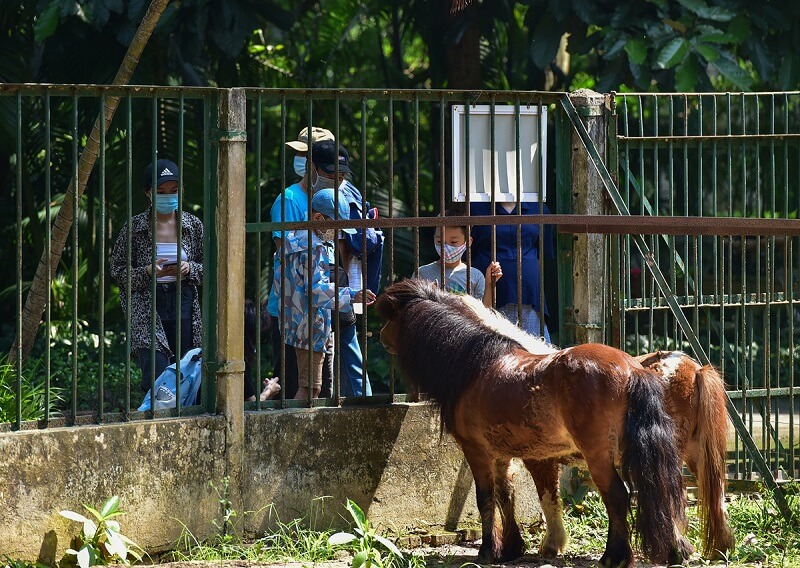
x: 166, y: 202
x: 300, y: 165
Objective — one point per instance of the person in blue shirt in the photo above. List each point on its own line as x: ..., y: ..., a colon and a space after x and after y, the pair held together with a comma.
x: 292, y: 205
x: 308, y: 332
x: 534, y: 315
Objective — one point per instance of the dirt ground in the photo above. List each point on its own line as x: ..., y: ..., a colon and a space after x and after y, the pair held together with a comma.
x: 455, y: 555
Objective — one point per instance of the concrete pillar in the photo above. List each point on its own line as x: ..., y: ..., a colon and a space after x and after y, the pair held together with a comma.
x: 588, y: 198
x: 230, y: 226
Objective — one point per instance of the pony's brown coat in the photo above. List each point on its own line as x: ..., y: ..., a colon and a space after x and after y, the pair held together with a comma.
x: 500, y: 401
x: 696, y: 402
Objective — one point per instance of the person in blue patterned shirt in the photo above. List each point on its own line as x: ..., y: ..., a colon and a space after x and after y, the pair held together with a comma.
x: 308, y: 332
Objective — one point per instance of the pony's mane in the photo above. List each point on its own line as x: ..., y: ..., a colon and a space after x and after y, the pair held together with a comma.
x: 443, y: 347
x: 499, y: 323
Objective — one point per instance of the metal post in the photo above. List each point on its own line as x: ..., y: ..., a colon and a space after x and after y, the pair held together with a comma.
x: 230, y: 226
x: 588, y: 197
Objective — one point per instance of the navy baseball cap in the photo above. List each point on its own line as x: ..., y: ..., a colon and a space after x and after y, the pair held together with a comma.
x: 324, y: 201
x: 324, y: 156
x: 166, y: 170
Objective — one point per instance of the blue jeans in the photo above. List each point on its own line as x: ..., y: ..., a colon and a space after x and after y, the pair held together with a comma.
x: 166, y: 303
x: 352, y: 364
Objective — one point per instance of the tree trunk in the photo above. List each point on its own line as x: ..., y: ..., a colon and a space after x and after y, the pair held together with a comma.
x: 39, y: 292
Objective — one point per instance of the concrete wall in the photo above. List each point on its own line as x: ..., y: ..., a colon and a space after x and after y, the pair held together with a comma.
x: 389, y: 459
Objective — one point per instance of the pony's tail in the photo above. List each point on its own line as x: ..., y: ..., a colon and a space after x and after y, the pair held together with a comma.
x: 710, y: 439
x: 650, y: 460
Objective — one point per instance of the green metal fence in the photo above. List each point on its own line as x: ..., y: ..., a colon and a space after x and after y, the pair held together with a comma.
x: 722, y: 158
x: 78, y: 367
x: 716, y: 155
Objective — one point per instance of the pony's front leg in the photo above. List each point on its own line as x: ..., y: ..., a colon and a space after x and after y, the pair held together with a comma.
x: 545, y: 476
x: 482, y: 467
x: 512, y: 546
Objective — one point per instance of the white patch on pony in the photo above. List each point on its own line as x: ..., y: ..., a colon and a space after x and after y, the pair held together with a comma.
x: 498, y: 322
x: 668, y: 366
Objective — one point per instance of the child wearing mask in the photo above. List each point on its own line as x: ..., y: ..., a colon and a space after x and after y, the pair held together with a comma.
x: 310, y: 342
x: 451, y: 243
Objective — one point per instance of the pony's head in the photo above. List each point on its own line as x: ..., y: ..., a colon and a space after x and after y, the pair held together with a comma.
x: 398, y: 297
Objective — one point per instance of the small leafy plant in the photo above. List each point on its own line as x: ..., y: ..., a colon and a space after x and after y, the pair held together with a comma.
x: 100, y: 543
x: 367, y: 543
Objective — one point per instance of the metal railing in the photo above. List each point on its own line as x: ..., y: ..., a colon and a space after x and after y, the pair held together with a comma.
x: 661, y: 149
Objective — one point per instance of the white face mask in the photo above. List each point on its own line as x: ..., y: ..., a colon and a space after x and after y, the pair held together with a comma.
x: 299, y: 165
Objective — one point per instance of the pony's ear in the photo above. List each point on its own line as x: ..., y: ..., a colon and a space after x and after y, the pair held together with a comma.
x: 387, y: 306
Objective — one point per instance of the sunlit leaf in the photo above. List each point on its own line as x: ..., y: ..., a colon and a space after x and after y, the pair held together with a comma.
x: 73, y: 516
x: 84, y: 557
x: 110, y: 506
x: 672, y: 53
x: 389, y: 545
x: 355, y: 511
x: 89, y: 528
x: 359, y: 559
x: 341, y: 538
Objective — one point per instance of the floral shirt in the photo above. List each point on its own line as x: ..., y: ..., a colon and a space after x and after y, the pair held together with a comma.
x: 141, y: 257
x: 323, y: 291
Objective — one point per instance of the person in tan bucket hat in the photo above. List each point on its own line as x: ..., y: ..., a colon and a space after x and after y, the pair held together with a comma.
x: 317, y: 135
x: 293, y: 203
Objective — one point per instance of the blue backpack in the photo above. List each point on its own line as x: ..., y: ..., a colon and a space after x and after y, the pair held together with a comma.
x: 165, y: 385
x: 365, y: 242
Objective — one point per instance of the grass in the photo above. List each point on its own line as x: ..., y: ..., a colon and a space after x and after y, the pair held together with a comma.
x: 762, y: 536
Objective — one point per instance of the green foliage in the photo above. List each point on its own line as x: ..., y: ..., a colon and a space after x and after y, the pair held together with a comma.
x: 33, y: 402
x: 761, y: 534
x: 292, y: 541
x: 100, y: 543
x: 369, y: 547
x: 8, y: 562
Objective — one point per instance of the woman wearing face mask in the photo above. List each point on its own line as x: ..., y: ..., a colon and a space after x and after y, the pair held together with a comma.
x: 451, y: 244
x: 170, y: 266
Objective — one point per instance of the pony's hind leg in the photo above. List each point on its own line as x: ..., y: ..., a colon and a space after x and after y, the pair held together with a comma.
x: 615, y: 496
x: 545, y: 475
x: 512, y: 544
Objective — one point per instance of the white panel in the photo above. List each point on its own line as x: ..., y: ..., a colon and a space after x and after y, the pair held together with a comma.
x: 475, y: 162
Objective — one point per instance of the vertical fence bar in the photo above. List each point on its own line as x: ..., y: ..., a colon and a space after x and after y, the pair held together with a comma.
x: 210, y: 263
x: 363, y: 283
x: 153, y: 251
x: 255, y: 372
x: 18, y: 364
x: 101, y: 265
x: 48, y: 158
x: 392, y: 275
x: 128, y: 244
x: 282, y: 251
x: 493, y: 199
x: 75, y: 259
x: 179, y: 265
x: 310, y: 265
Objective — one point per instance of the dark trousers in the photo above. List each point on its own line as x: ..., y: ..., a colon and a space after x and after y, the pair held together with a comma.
x: 166, y: 308
x: 290, y: 381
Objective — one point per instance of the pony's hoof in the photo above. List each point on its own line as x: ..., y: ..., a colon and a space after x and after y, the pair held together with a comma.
x: 608, y: 562
x: 485, y: 555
